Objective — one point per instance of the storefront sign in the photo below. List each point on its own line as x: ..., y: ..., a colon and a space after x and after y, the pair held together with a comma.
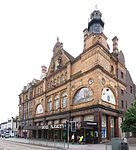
x: 45, y: 127
x: 52, y: 126
x: 56, y: 126
x: 89, y: 123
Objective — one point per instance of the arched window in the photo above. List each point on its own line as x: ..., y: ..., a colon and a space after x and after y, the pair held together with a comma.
x: 62, y: 78
x: 83, y: 95
x: 50, y: 104
x: 64, y: 100
x: 108, y: 96
x: 39, y: 109
x: 56, y: 102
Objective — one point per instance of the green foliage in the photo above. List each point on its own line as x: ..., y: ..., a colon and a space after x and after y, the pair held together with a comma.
x: 129, y: 122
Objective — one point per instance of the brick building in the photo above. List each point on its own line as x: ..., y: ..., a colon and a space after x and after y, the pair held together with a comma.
x: 91, y: 90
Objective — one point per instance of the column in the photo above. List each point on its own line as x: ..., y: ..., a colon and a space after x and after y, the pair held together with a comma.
x: 116, y: 127
x: 108, y: 128
x: 98, y: 118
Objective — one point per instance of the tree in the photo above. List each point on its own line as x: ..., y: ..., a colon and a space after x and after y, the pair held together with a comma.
x: 129, y: 122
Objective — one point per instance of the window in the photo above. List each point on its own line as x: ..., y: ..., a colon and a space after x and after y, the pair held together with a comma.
x: 56, y: 65
x: 64, y: 100
x: 112, y: 126
x: 112, y: 69
x: 122, y: 92
x: 39, y: 109
x: 131, y: 89
x: 108, y: 96
x: 62, y: 78
x: 122, y: 75
x: 104, y: 126
x: 56, y: 102
x: 122, y: 104
x: 126, y: 104
x: 83, y: 95
x: 50, y: 104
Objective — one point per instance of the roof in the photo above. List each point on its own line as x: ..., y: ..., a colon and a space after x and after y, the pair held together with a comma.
x: 69, y: 56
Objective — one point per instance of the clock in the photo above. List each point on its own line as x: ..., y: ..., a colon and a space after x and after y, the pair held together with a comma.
x: 90, y: 81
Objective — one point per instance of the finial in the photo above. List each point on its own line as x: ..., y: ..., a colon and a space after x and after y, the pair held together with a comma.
x: 96, y: 7
x: 57, y: 39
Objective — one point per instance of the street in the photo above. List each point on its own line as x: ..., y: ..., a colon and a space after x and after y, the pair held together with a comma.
x: 10, y: 145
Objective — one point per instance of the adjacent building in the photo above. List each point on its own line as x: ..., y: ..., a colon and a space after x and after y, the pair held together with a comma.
x: 9, y: 128
x: 89, y: 92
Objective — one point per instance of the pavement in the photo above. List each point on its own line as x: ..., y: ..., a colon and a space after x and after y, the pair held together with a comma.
x: 65, y: 146
x: 61, y: 145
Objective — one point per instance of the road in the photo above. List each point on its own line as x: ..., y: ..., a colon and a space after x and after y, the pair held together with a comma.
x: 9, y: 145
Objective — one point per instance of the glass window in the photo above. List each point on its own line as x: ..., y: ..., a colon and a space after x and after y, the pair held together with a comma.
x: 83, y: 95
x: 50, y: 104
x: 56, y: 102
x: 122, y: 103
x: 62, y: 78
x: 39, y: 109
x: 108, y: 96
x: 131, y: 89
x: 64, y: 100
x: 126, y: 105
x: 122, y: 92
x: 104, y: 126
x: 112, y: 126
x: 112, y: 69
x: 122, y: 75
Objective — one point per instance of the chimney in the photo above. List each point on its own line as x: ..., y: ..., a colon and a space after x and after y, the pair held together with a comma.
x: 115, y: 45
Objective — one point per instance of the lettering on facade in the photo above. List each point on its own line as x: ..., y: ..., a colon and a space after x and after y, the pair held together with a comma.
x: 57, y: 126
x: 45, y: 127
x: 53, y: 126
x: 91, y: 123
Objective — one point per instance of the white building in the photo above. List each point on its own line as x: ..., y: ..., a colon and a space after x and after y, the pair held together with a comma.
x: 10, y: 127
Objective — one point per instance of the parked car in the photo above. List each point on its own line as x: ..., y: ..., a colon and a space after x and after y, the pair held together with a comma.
x: 7, y: 135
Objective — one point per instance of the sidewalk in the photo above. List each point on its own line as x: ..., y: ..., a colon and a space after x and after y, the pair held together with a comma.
x: 60, y: 145
x: 64, y: 146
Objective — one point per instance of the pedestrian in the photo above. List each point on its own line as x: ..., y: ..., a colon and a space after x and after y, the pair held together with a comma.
x: 84, y: 140
x: 72, y: 138
x: 81, y: 139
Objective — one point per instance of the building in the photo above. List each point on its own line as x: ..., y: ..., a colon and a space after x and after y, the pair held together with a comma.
x: 90, y: 91
x: 9, y: 128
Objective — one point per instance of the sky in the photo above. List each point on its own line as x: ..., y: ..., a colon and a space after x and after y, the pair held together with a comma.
x: 29, y: 31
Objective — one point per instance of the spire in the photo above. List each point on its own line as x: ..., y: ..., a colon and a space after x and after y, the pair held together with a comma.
x: 57, y: 39
x: 96, y: 7
x: 58, y: 46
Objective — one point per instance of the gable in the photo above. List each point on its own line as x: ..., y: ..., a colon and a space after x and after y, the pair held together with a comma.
x: 59, y: 59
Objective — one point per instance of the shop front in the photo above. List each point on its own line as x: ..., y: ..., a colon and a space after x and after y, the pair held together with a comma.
x: 89, y: 130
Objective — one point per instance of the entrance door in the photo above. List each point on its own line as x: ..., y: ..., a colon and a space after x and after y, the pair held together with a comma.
x: 89, y: 134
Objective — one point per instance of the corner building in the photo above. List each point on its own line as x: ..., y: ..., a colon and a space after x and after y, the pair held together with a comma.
x: 92, y: 90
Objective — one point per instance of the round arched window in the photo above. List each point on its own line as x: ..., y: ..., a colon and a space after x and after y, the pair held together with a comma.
x: 83, y: 95
x: 39, y: 109
x: 108, y: 96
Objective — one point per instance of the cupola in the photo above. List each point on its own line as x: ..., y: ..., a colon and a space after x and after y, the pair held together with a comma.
x: 96, y: 25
